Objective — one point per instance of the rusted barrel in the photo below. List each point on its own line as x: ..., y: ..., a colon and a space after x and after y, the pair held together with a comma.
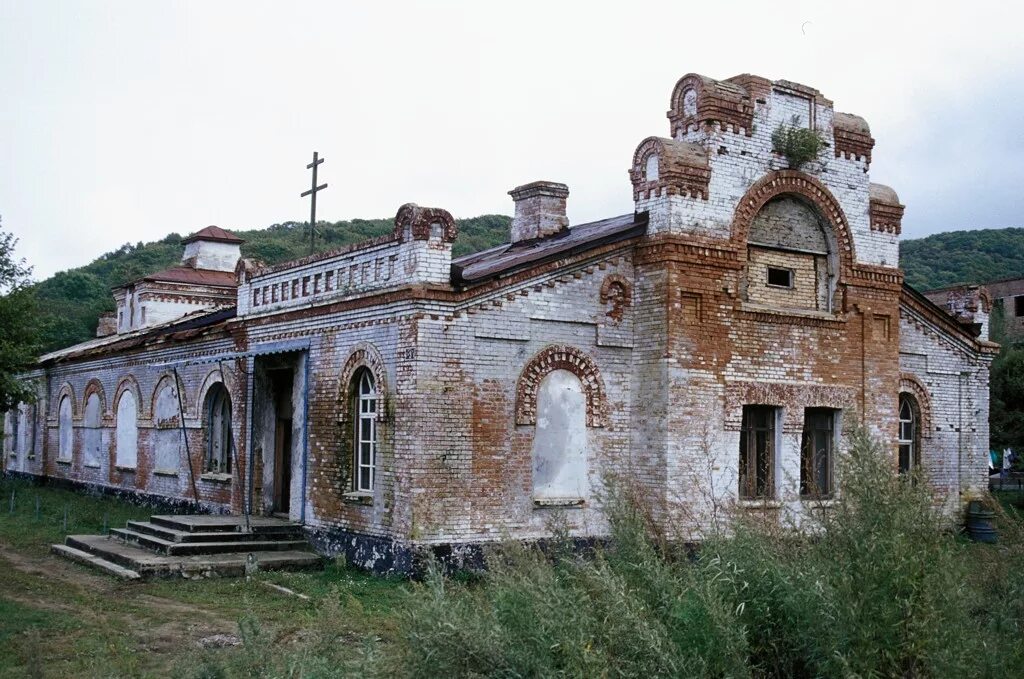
x: 979, y: 523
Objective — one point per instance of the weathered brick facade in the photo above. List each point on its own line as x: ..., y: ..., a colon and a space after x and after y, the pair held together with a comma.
x: 391, y: 398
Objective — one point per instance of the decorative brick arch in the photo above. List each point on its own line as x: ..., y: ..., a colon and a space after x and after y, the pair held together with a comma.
x: 364, y: 355
x: 128, y: 382
x: 618, y: 292
x: 214, y: 376
x: 66, y: 390
x: 910, y: 384
x: 560, y: 357
x: 795, y: 183
x: 161, y: 384
x: 95, y: 387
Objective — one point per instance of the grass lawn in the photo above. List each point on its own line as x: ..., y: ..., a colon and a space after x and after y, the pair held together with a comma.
x: 61, y: 619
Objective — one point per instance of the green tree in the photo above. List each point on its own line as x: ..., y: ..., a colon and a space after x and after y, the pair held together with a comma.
x: 19, y: 325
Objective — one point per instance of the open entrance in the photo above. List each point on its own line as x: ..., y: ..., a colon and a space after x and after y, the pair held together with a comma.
x: 278, y: 434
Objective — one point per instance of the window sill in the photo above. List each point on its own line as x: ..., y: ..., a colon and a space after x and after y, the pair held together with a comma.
x: 89, y: 465
x: 165, y: 472
x: 358, y: 497
x: 63, y: 461
x: 819, y: 501
x: 124, y: 468
x: 545, y: 502
x: 760, y: 504
x: 215, y: 478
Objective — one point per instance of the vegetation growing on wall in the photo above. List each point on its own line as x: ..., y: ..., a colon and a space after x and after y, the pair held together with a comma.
x: 798, y: 144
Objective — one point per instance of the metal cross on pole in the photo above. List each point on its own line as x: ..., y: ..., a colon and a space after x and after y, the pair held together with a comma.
x: 312, y: 193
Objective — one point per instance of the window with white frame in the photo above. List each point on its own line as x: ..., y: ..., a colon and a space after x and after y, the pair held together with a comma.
x: 909, y: 453
x: 365, y: 408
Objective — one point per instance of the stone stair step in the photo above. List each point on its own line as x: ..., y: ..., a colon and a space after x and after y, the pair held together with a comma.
x: 213, y: 523
x: 168, y: 547
x: 149, y: 564
x: 172, y: 535
x: 87, y: 559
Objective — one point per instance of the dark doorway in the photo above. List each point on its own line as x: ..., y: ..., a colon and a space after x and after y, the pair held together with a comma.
x: 282, y: 381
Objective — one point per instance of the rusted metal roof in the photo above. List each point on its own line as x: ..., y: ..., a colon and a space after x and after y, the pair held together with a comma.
x: 214, y: 233
x: 180, y: 329
x: 509, y: 257
x: 186, y: 274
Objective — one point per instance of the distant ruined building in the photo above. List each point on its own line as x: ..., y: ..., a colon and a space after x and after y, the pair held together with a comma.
x: 714, y: 347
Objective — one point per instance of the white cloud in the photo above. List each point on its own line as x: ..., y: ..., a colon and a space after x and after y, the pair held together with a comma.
x: 124, y: 121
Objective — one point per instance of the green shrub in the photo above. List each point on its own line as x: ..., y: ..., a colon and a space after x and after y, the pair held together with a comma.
x: 878, y: 587
x: 798, y: 144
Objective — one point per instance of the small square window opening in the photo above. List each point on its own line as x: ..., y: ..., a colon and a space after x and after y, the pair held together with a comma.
x: 782, y: 278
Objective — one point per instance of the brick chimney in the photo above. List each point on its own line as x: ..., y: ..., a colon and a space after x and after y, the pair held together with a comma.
x: 540, y: 210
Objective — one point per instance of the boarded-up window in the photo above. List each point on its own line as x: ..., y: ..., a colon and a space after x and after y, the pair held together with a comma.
x: 560, y: 440
x: 127, y: 434
x: 65, y: 434
x: 92, y: 435
x: 168, y: 429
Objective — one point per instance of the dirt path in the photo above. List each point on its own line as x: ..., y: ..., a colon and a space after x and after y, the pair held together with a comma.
x: 160, y: 627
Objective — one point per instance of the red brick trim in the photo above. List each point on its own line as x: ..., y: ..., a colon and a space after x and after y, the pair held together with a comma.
x: 682, y: 170
x: 910, y: 384
x: 419, y: 221
x: 781, y: 182
x: 129, y: 382
x: 886, y: 217
x: 213, y: 377
x: 618, y: 292
x: 65, y: 390
x: 560, y: 357
x: 363, y: 355
x: 94, y: 386
x: 723, y: 102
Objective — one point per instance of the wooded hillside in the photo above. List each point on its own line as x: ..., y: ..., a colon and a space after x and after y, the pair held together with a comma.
x: 71, y: 301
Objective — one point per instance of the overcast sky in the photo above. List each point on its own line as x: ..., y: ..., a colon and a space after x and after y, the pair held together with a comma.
x: 125, y: 121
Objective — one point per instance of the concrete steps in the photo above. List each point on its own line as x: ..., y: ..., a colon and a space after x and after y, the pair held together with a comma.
x: 193, y: 546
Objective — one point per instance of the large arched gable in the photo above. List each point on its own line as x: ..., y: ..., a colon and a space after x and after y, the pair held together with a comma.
x: 560, y: 357
x: 792, y: 182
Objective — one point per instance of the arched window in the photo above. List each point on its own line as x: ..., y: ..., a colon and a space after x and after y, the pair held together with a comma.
x: 651, y: 169
x: 65, y: 434
x: 14, y: 417
x: 559, y: 452
x: 364, y: 409
x: 126, y: 449
x: 910, y: 455
x: 792, y: 259
x: 218, y: 430
x: 92, y: 435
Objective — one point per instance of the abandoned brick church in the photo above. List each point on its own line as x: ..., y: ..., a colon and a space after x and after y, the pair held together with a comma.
x: 714, y: 346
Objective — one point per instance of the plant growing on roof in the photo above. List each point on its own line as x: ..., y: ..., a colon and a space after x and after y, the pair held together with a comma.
x: 798, y: 144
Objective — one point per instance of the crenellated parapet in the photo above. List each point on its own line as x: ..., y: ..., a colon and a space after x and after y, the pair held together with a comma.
x: 885, y: 209
x: 665, y: 167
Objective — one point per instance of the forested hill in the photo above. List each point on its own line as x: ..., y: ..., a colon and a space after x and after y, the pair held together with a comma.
x: 963, y: 257
x: 71, y: 301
